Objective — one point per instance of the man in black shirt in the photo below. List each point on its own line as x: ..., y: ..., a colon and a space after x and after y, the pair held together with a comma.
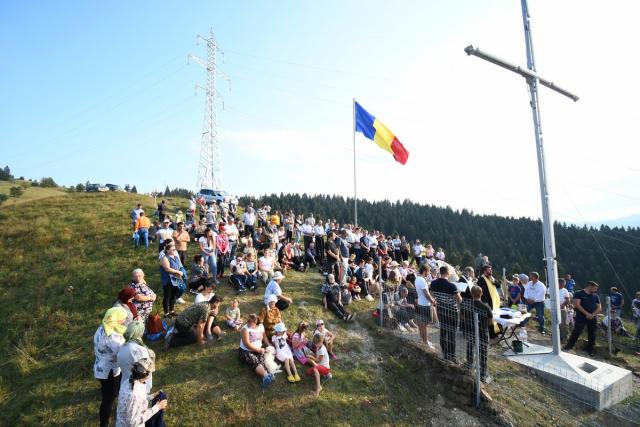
x: 587, y: 306
x: 447, y: 297
x: 485, y: 319
x: 333, y: 255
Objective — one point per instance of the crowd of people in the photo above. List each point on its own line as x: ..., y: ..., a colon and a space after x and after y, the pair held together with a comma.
x: 415, y: 286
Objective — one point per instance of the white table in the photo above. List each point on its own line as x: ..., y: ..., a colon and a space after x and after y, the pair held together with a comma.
x: 509, y: 326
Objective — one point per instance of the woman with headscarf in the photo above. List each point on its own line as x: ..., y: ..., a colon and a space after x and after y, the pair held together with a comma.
x: 106, y: 344
x: 270, y: 316
x: 125, y: 301
x: 133, y: 402
x: 132, y: 351
x: 144, y: 296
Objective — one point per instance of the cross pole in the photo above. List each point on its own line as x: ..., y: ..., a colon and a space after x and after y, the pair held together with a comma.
x: 533, y: 79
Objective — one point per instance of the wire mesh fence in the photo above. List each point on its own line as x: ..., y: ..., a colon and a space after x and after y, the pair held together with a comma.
x: 465, y: 332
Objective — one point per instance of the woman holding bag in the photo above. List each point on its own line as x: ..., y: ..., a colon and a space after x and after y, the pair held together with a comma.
x: 170, y: 269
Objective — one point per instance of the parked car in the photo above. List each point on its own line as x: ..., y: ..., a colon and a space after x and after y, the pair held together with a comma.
x: 94, y: 188
x: 215, y: 196
x: 114, y: 187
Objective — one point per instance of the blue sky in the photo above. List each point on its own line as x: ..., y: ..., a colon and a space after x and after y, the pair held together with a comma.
x: 101, y: 91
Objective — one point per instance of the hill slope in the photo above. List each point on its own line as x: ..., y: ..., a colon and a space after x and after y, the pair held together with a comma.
x: 83, y: 241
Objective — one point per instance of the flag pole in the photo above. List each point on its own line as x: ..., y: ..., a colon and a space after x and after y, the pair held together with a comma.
x: 355, y: 193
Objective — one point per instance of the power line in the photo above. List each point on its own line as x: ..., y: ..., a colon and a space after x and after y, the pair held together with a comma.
x: 319, y: 68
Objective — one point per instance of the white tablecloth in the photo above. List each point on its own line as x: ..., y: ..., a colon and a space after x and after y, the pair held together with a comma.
x: 506, y: 323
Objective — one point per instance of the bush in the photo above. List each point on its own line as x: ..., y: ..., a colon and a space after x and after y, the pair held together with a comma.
x: 48, y: 183
x: 3, y: 197
x: 16, y: 191
x: 80, y: 188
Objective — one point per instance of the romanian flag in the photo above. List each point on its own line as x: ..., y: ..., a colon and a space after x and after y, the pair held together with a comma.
x: 373, y: 129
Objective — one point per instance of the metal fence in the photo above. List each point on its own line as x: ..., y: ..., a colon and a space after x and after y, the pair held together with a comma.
x: 459, y: 333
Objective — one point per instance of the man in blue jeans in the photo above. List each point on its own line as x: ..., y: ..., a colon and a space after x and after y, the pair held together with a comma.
x: 534, y: 295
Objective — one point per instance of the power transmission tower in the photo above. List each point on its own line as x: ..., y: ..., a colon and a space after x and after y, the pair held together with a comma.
x: 209, y: 170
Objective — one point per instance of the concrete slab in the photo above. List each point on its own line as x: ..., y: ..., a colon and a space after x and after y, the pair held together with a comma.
x: 597, y: 384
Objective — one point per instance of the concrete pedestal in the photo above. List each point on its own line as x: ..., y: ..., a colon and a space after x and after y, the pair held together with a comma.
x: 597, y: 384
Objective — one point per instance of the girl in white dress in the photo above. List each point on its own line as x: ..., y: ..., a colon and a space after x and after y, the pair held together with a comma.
x: 283, y: 352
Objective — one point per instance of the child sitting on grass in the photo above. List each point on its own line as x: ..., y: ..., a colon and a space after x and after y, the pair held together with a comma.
x: 320, y: 362
x: 299, y: 343
x: 233, y: 315
x: 327, y: 336
x: 212, y: 328
x: 283, y: 352
x: 354, y: 288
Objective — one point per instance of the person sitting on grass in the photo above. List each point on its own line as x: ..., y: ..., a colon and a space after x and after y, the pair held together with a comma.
x: 133, y: 401
x: 251, y: 352
x: 232, y: 314
x: 212, y: 328
x: 320, y: 363
x: 283, y: 352
x: 299, y: 343
x: 331, y: 299
x: 252, y: 272
x: 270, y: 316
x: 354, y: 288
x: 265, y: 267
x: 273, y: 288
x: 617, y: 327
x: 199, y: 275
x: 191, y: 324
x: 206, y: 293
x: 328, y: 336
x: 239, y: 273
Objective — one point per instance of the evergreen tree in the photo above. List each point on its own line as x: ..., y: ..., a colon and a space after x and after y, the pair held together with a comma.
x: 134, y: 189
x: 127, y: 188
x: 5, y: 174
x: 80, y: 188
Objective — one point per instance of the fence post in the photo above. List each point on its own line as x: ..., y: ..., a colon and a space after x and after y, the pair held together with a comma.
x: 609, y: 338
x: 476, y: 350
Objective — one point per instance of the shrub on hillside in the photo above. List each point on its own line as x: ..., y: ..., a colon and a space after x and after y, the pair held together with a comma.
x: 80, y: 188
x: 3, y: 197
x: 48, y: 182
x: 16, y: 191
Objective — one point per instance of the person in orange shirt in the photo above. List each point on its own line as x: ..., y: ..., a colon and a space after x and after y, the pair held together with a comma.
x: 141, y: 230
x: 181, y: 238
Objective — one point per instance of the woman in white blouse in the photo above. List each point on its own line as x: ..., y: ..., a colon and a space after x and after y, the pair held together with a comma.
x: 132, y: 351
x: 106, y: 344
x: 133, y: 402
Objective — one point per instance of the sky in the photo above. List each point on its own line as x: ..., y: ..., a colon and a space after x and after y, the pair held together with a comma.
x: 102, y: 92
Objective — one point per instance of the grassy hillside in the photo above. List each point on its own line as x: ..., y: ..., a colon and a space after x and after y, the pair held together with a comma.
x: 83, y: 241
x: 31, y: 194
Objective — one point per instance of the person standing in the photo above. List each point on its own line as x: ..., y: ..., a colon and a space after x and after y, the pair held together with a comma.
x: 181, y: 238
x: 162, y: 208
x: 565, y: 300
x: 617, y: 300
x: 447, y: 299
x: 319, y: 233
x: 425, y: 300
x: 489, y: 286
x: 333, y: 255
x: 106, y: 343
x: 164, y: 233
x: 587, y: 306
x: 249, y: 220
x: 141, y: 229
x: 534, y: 294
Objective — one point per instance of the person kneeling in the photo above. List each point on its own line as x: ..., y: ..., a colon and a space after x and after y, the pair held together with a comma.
x: 191, y: 324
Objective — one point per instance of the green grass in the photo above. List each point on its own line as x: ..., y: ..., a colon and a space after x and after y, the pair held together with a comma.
x: 30, y: 194
x: 83, y: 240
